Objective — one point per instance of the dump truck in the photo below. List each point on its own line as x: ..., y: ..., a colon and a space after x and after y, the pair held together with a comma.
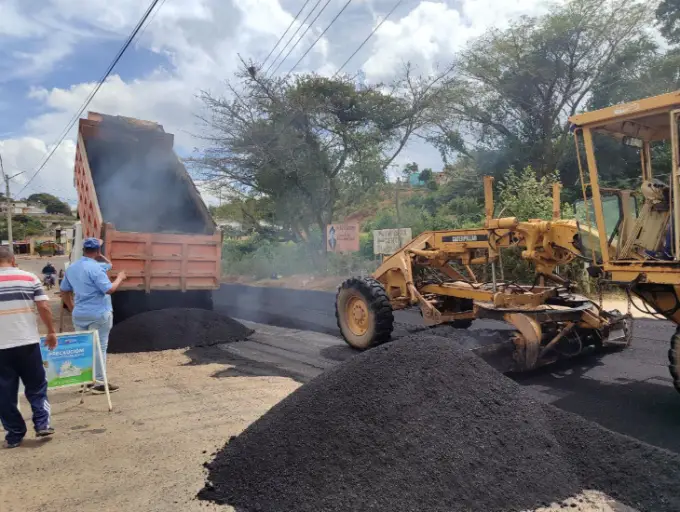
x: 135, y: 194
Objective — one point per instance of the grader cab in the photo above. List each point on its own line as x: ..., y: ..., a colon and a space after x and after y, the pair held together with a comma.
x: 638, y: 247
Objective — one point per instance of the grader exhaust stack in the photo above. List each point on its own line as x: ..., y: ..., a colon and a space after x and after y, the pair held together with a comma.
x: 435, y: 272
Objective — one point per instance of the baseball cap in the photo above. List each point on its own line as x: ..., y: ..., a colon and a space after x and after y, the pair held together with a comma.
x: 92, y: 243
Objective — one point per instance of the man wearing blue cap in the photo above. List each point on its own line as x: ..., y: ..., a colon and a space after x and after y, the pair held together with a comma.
x: 91, y: 310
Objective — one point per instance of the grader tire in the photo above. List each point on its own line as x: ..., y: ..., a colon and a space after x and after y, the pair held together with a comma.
x: 461, y: 324
x: 674, y: 359
x: 364, y: 313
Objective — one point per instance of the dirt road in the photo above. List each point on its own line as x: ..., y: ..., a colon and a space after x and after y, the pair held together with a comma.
x: 169, y: 416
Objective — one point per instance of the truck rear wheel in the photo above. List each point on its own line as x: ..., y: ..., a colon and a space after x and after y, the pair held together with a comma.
x: 674, y: 359
x: 364, y: 313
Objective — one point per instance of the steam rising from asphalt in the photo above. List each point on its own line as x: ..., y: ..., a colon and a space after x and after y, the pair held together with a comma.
x: 138, y: 182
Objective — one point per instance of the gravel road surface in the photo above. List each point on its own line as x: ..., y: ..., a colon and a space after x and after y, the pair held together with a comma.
x: 629, y: 392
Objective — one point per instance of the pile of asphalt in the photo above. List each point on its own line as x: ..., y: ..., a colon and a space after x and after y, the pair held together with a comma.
x: 417, y: 424
x: 421, y: 424
x: 640, y: 475
x: 175, y: 328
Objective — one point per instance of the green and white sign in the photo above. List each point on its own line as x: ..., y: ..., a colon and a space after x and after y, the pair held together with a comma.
x: 71, y: 362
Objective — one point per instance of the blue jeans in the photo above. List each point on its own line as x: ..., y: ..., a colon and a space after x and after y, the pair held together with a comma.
x: 103, y: 326
x: 25, y: 363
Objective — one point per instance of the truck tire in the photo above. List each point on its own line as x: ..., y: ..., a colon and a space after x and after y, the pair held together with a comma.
x: 364, y: 313
x: 674, y: 359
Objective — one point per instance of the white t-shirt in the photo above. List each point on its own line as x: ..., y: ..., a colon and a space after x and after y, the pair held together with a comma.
x: 19, y: 291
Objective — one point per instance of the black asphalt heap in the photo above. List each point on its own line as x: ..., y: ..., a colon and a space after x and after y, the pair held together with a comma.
x: 175, y: 328
x: 638, y: 474
x: 417, y: 424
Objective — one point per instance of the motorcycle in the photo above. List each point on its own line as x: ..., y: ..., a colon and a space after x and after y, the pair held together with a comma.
x: 49, y: 281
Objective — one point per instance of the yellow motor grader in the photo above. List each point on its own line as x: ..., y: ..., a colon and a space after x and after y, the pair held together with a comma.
x: 435, y: 271
x: 627, y: 236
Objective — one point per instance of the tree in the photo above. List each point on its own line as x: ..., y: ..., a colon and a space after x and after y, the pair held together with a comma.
x: 667, y: 16
x: 22, y: 226
x: 51, y: 203
x: 527, y: 196
x: 298, y: 141
x: 639, y: 71
x: 425, y: 175
x: 517, y: 86
x: 409, y: 170
x: 253, y: 213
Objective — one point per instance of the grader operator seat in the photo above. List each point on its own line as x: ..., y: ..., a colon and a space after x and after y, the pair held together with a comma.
x: 656, y: 238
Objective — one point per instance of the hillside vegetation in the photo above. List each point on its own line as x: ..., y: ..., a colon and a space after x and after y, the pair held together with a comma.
x: 291, y: 155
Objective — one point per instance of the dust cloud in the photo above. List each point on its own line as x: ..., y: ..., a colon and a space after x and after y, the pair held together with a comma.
x: 141, y: 185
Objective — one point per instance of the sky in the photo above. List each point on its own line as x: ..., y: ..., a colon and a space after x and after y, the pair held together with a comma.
x: 53, y: 52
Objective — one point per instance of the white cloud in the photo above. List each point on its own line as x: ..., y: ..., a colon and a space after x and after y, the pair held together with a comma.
x: 15, y: 24
x: 161, y: 97
x: 23, y: 155
x: 201, y: 39
x: 433, y: 32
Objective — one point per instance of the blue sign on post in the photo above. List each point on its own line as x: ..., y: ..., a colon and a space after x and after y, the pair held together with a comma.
x: 71, y: 362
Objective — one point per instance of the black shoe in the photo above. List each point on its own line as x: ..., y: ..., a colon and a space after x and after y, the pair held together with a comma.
x: 9, y: 445
x: 44, y: 432
x: 99, y: 389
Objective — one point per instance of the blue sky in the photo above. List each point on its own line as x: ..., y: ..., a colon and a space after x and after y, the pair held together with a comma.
x: 53, y: 51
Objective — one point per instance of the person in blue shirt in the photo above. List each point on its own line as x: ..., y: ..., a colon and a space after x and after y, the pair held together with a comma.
x: 106, y: 265
x: 86, y: 279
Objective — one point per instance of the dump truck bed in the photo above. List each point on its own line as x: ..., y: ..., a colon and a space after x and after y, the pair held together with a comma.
x: 135, y: 194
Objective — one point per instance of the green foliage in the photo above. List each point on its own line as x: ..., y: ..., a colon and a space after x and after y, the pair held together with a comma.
x: 425, y: 175
x: 526, y: 196
x: 668, y: 17
x: 51, y: 203
x: 308, y: 142
x: 409, y: 170
x: 418, y: 219
x: 518, y: 85
x: 261, y: 259
x: 22, y: 226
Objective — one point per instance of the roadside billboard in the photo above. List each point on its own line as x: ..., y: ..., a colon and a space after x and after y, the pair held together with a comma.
x: 388, y: 241
x: 342, y: 237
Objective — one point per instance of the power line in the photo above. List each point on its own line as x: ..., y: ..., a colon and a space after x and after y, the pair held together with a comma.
x: 368, y: 37
x: 284, y: 34
x: 153, y: 17
x: 293, y: 36
x: 89, y: 98
x: 320, y: 36
x: 302, y: 36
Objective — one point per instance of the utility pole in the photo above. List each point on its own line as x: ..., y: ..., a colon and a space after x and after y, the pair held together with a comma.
x: 10, y: 239
x: 9, y: 214
x: 396, y: 205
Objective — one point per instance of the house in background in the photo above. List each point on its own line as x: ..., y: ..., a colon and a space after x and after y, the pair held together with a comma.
x: 24, y: 208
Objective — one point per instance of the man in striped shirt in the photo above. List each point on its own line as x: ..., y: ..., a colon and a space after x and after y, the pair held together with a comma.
x: 20, y: 350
